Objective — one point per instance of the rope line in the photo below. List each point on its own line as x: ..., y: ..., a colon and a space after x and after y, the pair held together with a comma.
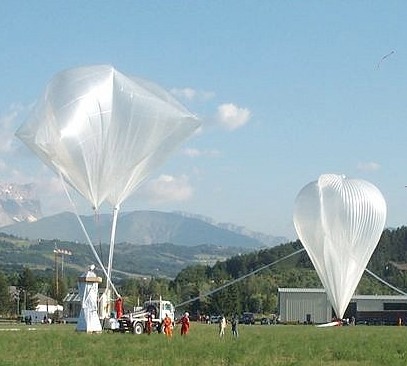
x: 87, y: 236
x: 230, y: 283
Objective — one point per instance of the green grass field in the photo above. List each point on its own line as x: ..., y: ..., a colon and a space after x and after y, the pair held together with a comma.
x: 256, y: 345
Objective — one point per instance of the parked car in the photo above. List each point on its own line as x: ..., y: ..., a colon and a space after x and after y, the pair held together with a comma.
x: 247, y: 318
x: 215, y: 319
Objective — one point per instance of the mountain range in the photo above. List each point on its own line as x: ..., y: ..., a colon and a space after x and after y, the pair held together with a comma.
x: 147, y: 242
x: 141, y: 228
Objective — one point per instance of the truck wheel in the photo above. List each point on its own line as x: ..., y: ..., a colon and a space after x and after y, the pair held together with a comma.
x: 138, y: 328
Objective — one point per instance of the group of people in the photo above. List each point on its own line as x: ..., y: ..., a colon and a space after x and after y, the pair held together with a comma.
x: 167, y: 325
x: 222, y: 326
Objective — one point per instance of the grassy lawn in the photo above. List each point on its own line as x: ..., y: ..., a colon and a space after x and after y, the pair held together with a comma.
x: 256, y: 345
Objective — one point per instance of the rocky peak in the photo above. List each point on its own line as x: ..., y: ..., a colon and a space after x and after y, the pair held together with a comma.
x: 18, y: 203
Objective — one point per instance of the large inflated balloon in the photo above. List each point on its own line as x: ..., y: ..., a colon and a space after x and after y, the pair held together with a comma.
x: 339, y: 222
x: 104, y: 131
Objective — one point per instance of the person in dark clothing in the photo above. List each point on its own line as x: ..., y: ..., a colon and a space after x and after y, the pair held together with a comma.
x: 235, y: 322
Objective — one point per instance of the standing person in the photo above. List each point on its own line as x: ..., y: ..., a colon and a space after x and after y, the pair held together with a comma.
x: 119, y: 307
x: 149, y: 323
x: 222, y: 326
x: 185, y: 324
x: 167, y: 323
x: 114, y: 324
x: 235, y: 322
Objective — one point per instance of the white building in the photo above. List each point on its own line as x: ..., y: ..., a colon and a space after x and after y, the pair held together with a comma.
x: 299, y: 305
x: 311, y: 305
x: 47, y: 304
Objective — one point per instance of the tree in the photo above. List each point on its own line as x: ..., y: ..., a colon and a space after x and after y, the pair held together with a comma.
x: 27, y: 285
x: 61, y: 292
x: 5, y: 296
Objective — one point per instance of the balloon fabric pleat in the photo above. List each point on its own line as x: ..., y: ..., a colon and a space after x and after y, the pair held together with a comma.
x: 88, y: 240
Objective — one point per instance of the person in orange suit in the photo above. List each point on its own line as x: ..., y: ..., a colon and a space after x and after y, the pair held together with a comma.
x: 167, y: 323
x: 185, y: 324
x: 119, y: 307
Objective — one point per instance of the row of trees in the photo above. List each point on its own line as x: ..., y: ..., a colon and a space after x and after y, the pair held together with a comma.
x: 19, y: 289
x: 17, y: 292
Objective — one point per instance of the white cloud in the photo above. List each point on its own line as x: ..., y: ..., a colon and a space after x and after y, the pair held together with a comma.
x: 9, y: 124
x: 16, y: 164
x: 369, y: 166
x: 193, y: 153
x: 21, y: 166
x: 232, y: 116
x: 186, y: 93
x: 192, y: 94
x: 167, y: 188
x: 52, y: 195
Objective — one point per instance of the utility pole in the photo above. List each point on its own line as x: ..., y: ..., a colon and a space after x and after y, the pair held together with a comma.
x: 18, y: 302
x: 56, y: 273
x: 61, y: 253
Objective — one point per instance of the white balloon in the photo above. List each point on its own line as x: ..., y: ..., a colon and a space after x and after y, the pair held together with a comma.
x: 105, y: 132
x: 339, y: 222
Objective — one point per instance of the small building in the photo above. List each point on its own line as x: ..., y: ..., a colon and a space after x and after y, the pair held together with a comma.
x: 72, y: 305
x: 47, y: 304
x: 302, y: 305
x: 378, y: 309
x: 43, y: 303
x: 299, y: 305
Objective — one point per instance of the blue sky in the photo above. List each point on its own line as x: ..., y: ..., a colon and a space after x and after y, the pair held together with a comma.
x: 286, y: 91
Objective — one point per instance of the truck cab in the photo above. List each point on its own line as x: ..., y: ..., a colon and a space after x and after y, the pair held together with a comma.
x: 159, y: 308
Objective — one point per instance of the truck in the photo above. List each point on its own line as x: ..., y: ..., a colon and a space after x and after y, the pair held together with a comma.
x: 136, y: 322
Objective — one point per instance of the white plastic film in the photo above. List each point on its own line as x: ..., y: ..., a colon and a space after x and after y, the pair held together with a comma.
x: 339, y: 222
x: 105, y: 132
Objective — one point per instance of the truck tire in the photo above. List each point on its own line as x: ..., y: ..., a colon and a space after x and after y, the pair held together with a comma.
x: 138, y: 328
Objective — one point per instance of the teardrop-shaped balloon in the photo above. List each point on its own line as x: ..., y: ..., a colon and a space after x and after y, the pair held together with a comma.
x: 105, y: 132
x: 339, y: 222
